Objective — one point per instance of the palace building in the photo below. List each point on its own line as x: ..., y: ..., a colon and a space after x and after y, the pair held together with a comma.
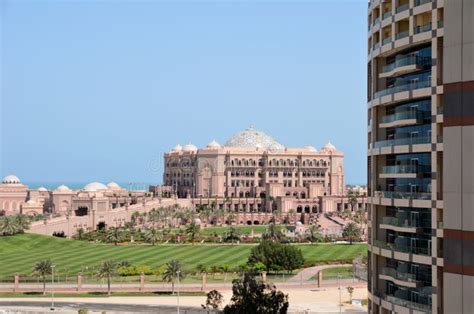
x: 253, y: 166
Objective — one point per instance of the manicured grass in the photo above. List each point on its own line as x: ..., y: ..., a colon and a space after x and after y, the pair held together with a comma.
x: 19, y: 253
x: 344, y: 271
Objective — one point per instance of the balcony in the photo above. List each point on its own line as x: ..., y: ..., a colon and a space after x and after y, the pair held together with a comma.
x: 401, y: 35
x: 421, y: 2
x: 386, y: 40
x: 400, y: 278
x: 405, y: 64
x: 402, y: 119
x: 403, y: 195
x: 422, y: 28
x: 402, y: 8
x: 403, y: 224
x: 403, y: 88
x: 386, y: 15
x: 376, y: 21
x: 376, y: 46
x: 440, y: 24
x: 426, y: 251
x: 403, y: 141
x: 404, y: 171
x: 405, y: 303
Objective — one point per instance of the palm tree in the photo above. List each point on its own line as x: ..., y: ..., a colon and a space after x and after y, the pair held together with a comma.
x: 134, y: 217
x: 107, y: 269
x: 42, y: 269
x: 313, y: 234
x: 8, y: 226
x: 232, y: 235
x: 272, y: 233
x: 193, y: 231
x: 23, y: 222
x: 351, y: 231
x: 352, y: 200
x: 153, y: 217
x: 79, y: 234
x: 114, y: 235
x: 174, y: 270
x: 225, y: 269
x: 152, y: 235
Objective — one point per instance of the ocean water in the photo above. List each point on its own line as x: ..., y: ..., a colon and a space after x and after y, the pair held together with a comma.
x: 131, y: 186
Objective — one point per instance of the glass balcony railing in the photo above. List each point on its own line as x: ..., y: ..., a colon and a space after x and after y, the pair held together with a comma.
x: 402, y: 8
x: 406, y: 223
x: 406, y: 169
x: 376, y: 21
x: 386, y: 40
x: 422, y: 28
x: 401, y: 35
x: 403, y: 88
x: 386, y: 15
x: 403, y: 141
x: 405, y: 303
x: 440, y: 24
x: 440, y: 110
x: 403, y: 195
x: 406, y: 60
x: 421, y: 2
x: 404, y: 115
x: 376, y: 45
x: 392, y: 272
x: 418, y: 250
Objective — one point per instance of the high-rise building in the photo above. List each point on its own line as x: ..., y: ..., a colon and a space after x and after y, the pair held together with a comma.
x: 421, y: 156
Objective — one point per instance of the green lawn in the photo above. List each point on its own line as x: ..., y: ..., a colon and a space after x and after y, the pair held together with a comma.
x: 19, y: 253
x: 332, y: 273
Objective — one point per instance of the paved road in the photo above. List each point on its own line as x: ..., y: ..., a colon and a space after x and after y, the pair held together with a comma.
x: 68, y: 307
x: 307, y: 273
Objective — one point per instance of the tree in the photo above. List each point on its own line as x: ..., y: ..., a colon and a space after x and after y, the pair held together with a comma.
x: 154, y: 217
x: 42, y: 269
x: 193, y: 231
x: 351, y: 291
x: 313, y: 234
x: 353, y: 200
x: 79, y: 234
x: 107, y: 270
x: 225, y: 269
x: 23, y: 223
x: 114, y: 235
x: 152, y: 235
x: 250, y: 296
x: 213, y: 301
x: 273, y: 233
x: 232, y: 235
x: 174, y: 270
x: 276, y: 256
x: 351, y: 231
x: 8, y: 226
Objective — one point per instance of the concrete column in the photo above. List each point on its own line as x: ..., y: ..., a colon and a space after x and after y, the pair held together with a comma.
x: 264, y: 276
x: 203, y: 281
x: 142, y: 281
x: 17, y: 283
x: 79, y: 282
x: 320, y: 278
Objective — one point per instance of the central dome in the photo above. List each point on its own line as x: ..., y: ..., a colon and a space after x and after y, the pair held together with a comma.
x: 252, y: 138
x: 94, y: 187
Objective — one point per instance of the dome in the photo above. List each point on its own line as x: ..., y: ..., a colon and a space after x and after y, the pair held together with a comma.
x: 311, y: 148
x: 94, y: 187
x: 62, y: 187
x: 213, y: 144
x: 31, y: 202
x: 11, y: 179
x: 189, y: 148
x: 177, y: 148
x: 42, y: 189
x: 330, y: 146
x: 252, y: 138
x: 113, y: 185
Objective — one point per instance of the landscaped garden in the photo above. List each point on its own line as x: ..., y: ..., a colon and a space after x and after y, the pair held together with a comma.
x: 19, y: 254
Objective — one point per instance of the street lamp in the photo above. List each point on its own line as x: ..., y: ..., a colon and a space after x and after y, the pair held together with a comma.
x: 339, y: 284
x: 178, y: 272
x: 52, y: 287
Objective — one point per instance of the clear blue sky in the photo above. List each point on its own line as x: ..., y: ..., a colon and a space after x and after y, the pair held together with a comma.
x: 98, y: 90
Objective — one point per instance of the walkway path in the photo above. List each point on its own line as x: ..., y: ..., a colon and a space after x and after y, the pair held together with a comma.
x: 307, y: 273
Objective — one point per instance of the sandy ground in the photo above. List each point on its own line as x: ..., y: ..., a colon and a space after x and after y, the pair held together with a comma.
x: 323, y: 300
